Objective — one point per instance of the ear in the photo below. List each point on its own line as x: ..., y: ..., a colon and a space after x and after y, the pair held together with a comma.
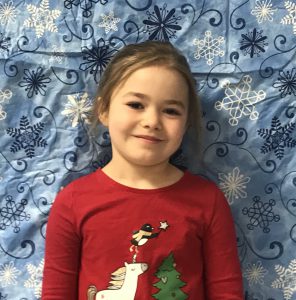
x: 103, y: 117
x: 102, y: 112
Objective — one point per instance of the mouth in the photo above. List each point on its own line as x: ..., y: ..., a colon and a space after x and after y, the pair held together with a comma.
x: 148, y: 138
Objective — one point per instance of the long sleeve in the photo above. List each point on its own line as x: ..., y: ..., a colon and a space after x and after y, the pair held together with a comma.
x: 62, y: 252
x: 222, y: 269
x: 89, y: 236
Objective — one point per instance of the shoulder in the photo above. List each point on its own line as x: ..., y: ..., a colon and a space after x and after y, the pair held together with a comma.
x: 83, y: 182
x: 76, y: 187
x: 197, y: 182
x: 213, y: 199
x: 204, y: 189
x: 87, y: 179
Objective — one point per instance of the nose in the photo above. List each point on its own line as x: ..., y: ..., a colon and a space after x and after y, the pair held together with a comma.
x: 151, y: 119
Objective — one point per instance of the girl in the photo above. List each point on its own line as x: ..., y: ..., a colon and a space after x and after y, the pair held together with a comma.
x: 140, y: 228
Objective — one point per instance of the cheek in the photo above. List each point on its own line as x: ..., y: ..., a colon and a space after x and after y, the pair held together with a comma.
x: 119, y: 124
x: 181, y: 132
x: 178, y: 128
x: 177, y: 133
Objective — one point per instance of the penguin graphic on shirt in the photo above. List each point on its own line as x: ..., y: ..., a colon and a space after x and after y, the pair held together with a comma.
x: 143, y: 235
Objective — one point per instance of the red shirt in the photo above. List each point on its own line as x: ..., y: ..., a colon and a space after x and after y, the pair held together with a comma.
x: 176, y: 242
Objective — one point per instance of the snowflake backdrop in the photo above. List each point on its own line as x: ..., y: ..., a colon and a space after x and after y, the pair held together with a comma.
x: 242, y: 54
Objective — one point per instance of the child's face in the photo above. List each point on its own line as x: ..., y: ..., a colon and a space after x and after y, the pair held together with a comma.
x: 147, y: 116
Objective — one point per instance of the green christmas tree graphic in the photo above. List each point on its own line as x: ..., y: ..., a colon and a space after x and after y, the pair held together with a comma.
x: 170, y: 283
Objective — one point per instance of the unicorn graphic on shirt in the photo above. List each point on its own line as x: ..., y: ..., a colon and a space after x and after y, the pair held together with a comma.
x: 123, y: 284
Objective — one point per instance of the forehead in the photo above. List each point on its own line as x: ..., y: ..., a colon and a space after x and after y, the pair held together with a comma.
x: 155, y: 82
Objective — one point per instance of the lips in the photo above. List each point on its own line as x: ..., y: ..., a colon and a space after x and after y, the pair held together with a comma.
x: 149, y: 138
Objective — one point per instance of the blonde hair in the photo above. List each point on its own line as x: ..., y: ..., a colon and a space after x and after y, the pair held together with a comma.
x: 136, y: 56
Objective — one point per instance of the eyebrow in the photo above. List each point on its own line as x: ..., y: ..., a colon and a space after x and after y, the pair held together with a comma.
x: 168, y: 101
x: 176, y: 102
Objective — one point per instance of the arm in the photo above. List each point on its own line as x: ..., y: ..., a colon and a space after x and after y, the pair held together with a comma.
x: 62, y: 251
x: 223, y: 278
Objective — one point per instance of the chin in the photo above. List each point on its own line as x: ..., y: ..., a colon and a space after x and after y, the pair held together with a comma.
x: 149, y: 162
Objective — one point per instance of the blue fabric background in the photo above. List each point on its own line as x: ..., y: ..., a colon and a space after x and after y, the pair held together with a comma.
x: 242, y: 54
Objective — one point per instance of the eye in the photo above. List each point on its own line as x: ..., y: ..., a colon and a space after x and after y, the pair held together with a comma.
x: 135, y: 105
x: 172, y: 111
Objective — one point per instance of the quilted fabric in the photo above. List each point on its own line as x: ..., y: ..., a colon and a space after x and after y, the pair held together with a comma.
x: 242, y: 54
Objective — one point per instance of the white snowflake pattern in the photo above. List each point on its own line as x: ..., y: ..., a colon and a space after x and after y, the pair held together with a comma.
x: 255, y: 273
x: 233, y: 185
x: 208, y: 47
x: 240, y: 100
x: 35, y: 280
x: 109, y: 22
x: 286, y: 280
x: 263, y: 11
x: 7, y: 13
x: 42, y: 18
x: 8, y: 274
x: 78, y: 108
x: 4, y: 96
x: 290, y: 18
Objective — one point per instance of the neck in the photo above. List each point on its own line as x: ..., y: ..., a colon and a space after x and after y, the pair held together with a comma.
x: 145, y: 177
x: 129, y: 286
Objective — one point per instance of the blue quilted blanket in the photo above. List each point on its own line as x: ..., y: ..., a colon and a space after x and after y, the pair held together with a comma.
x: 242, y: 54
